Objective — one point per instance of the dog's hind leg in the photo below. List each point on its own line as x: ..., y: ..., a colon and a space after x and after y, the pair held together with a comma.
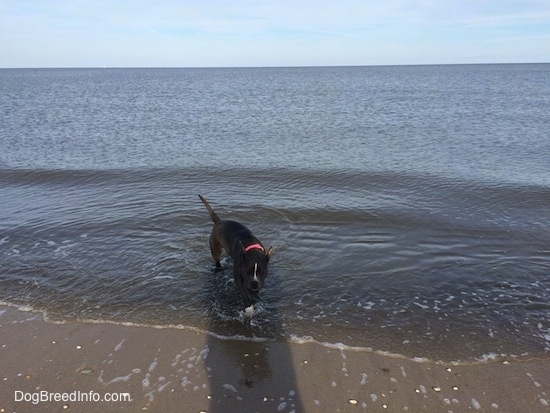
x: 215, y: 249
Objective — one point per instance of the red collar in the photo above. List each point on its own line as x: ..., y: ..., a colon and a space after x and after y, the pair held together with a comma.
x: 253, y: 247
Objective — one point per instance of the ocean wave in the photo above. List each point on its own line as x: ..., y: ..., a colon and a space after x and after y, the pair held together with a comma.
x: 355, y: 251
x: 290, y: 339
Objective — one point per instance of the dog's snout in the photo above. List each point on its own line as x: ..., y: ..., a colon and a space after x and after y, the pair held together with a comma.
x: 255, y: 286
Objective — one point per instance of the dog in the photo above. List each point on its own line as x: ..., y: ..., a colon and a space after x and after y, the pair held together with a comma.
x: 249, y: 256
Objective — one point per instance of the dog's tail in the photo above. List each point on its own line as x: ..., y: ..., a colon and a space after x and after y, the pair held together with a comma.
x: 213, y: 215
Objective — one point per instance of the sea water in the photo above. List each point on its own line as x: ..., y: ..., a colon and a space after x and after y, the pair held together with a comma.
x: 408, y: 206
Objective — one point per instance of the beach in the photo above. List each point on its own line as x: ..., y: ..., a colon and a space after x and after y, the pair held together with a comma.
x: 407, y: 205
x: 89, y: 367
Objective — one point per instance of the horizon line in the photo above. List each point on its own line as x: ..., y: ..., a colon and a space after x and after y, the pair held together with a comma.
x: 269, y: 66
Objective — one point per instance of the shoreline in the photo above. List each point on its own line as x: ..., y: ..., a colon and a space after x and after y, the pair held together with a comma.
x: 490, y: 357
x: 166, y: 369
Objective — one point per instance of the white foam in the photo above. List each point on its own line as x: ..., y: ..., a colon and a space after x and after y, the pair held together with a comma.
x: 63, y: 249
x: 118, y: 379
x: 367, y: 306
x: 153, y: 365
x: 163, y: 386
x: 230, y: 387
x: 163, y: 277
x: 422, y: 306
x: 146, y: 383
x: 293, y: 338
x: 536, y: 383
x: 204, y: 353
x: 340, y: 346
x: 489, y: 357
x: 119, y: 345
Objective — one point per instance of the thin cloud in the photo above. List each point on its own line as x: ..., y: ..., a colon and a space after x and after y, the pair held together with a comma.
x: 221, y: 33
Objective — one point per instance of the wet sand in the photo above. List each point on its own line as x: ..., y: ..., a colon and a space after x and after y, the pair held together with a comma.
x: 168, y: 370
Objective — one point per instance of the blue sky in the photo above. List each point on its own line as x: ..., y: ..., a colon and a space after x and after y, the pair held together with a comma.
x: 213, y: 33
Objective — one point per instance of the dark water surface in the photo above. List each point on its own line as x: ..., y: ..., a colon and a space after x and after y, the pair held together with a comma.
x: 409, y: 206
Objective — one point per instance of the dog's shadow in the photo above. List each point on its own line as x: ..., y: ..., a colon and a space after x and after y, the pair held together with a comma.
x: 249, y: 364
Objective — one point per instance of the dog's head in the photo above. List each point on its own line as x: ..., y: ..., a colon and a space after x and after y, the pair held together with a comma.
x: 254, y: 266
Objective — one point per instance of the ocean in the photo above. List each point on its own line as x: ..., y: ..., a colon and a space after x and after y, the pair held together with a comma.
x: 409, y: 206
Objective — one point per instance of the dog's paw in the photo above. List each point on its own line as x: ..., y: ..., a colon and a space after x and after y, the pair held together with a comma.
x: 249, y: 311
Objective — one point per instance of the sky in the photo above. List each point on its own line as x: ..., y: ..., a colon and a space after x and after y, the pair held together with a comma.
x: 236, y: 33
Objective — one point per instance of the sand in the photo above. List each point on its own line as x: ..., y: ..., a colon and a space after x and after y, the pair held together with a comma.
x: 47, y: 367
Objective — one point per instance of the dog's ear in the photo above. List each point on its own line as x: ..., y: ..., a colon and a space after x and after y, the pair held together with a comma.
x: 269, y: 252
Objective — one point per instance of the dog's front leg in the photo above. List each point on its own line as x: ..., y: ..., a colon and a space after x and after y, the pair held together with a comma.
x: 239, y: 280
x: 244, y: 292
